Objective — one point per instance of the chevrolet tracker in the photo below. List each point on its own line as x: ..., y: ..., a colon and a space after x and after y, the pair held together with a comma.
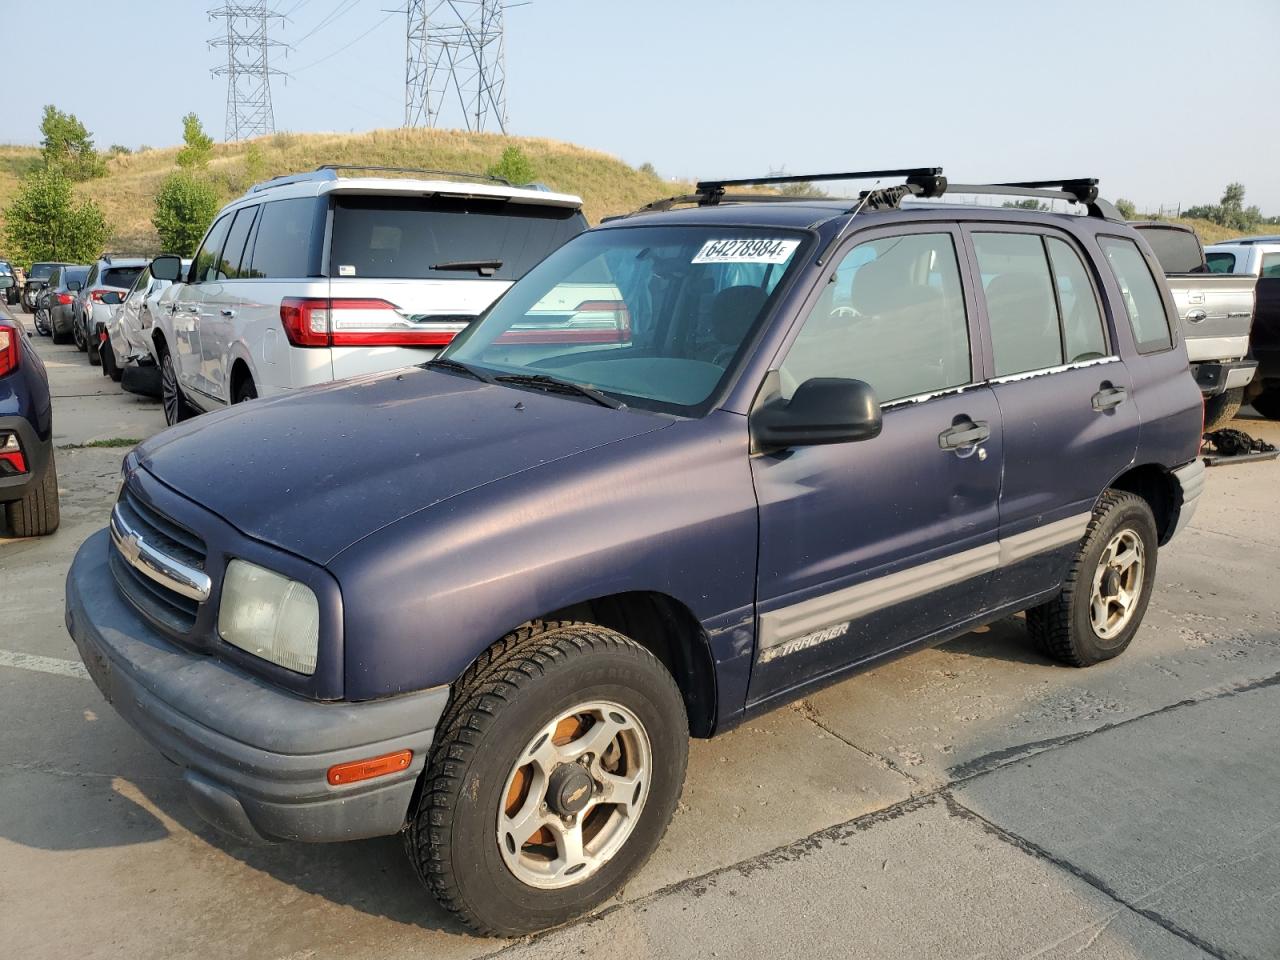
x: 484, y: 602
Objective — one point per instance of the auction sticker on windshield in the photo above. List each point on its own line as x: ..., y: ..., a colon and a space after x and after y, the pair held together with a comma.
x: 748, y: 250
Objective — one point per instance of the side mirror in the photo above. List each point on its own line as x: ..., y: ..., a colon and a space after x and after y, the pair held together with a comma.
x: 73, y: 285
x: 822, y: 410
x: 111, y: 298
x: 167, y: 267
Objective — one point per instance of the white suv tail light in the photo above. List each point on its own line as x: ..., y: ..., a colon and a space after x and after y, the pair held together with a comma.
x: 352, y: 322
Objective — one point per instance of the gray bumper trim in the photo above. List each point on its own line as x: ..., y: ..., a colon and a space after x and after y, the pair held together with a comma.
x: 1191, y: 478
x: 254, y: 757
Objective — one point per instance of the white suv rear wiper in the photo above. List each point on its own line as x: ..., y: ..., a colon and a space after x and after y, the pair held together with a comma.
x: 486, y: 268
x: 540, y: 381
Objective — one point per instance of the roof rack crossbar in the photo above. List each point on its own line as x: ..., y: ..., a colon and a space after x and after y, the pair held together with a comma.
x: 1082, y: 190
x: 707, y: 186
x: 329, y: 171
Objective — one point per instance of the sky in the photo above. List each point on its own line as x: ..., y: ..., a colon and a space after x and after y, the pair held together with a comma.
x: 1164, y: 102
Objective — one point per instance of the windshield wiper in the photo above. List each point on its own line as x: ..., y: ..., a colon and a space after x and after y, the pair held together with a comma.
x: 540, y: 381
x: 486, y: 268
x: 445, y: 363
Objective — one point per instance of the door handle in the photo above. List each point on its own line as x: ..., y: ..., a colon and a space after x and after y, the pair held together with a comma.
x: 191, y: 308
x: 967, y: 433
x: 1109, y: 397
x: 1197, y: 316
x: 228, y: 312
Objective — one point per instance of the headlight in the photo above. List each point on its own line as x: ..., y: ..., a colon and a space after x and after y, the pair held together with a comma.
x: 270, y: 616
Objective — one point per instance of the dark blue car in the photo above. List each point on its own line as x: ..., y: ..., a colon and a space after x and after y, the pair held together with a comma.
x: 28, y: 475
x: 484, y: 602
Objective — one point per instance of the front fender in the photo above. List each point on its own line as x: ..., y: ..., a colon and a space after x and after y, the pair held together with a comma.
x: 671, y: 512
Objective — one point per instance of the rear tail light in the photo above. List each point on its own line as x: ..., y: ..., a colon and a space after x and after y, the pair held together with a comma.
x: 348, y: 322
x: 98, y: 294
x: 11, y: 451
x: 8, y: 350
x: 593, y: 321
x: 65, y: 298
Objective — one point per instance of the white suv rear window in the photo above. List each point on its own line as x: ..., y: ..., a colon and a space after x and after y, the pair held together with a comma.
x: 412, y: 237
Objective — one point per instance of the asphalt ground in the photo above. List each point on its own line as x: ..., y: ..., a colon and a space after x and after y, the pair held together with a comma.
x: 970, y: 800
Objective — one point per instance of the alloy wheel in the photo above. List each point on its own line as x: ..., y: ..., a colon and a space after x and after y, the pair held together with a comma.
x: 1117, y: 584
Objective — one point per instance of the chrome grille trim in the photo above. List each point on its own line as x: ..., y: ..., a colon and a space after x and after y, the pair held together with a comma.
x: 182, y: 579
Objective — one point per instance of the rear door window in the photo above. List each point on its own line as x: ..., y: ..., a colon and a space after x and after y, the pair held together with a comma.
x: 1022, y: 311
x: 1270, y: 266
x: 1221, y: 262
x: 1141, y: 296
x: 1083, y: 336
x: 233, y: 249
x: 418, y: 237
x: 282, y: 241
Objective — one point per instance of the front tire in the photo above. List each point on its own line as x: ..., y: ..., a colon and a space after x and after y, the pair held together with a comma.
x: 95, y: 358
x: 176, y: 408
x: 1221, y: 410
x: 37, y: 514
x: 108, y: 357
x: 1108, y: 586
x: 79, y: 338
x: 555, y: 772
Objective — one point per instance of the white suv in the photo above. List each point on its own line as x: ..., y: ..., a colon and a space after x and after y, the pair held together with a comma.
x: 320, y: 276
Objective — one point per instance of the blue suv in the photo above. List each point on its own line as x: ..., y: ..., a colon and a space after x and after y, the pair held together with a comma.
x: 28, y: 473
x: 484, y: 602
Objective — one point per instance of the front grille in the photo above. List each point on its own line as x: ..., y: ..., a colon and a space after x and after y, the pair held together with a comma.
x: 165, y: 606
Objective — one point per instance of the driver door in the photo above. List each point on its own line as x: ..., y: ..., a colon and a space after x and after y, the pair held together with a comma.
x: 872, y: 546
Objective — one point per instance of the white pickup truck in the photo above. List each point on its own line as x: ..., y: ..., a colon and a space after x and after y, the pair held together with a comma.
x: 1216, y: 311
x: 1258, y: 259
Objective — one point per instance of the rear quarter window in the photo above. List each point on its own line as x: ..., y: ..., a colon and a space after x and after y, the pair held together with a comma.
x: 1139, y: 293
x: 409, y: 237
x: 1221, y: 262
x: 283, y: 242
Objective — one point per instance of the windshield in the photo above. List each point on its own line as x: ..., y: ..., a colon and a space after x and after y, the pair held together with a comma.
x: 653, y: 316
x: 440, y: 237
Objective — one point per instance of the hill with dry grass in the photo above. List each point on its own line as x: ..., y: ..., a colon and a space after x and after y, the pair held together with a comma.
x: 606, y: 184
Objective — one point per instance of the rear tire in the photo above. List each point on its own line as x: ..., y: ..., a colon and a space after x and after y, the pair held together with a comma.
x: 176, y: 408
x: 37, y: 514
x: 245, y: 391
x: 53, y: 331
x: 474, y: 796
x: 1221, y: 410
x: 1089, y: 622
x: 1267, y: 403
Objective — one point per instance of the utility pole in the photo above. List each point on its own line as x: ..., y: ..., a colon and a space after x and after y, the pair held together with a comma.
x: 454, y: 53
x: 248, y: 68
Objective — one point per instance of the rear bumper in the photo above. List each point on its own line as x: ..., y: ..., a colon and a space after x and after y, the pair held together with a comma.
x: 1215, y: 377
x: 254, y: 758
x: 1191, y: 482
x: 37, y: 455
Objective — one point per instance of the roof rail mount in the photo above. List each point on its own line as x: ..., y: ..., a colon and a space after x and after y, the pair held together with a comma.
x: 329, y: 171
x: 714, y: 190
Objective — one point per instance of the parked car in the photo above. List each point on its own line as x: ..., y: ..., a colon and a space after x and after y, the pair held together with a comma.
x: 486, y: 600
x: 1258, y: 258
x: 126, y: 340
x: 12, y: 292
x: 275, y: 300
x: 37, y: 280
x: 1216, y: 313
x: 28, y: 474
x: 59, y: 301
x: 110, y: 274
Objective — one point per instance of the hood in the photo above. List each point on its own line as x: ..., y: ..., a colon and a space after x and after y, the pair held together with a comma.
x: 314, y: 471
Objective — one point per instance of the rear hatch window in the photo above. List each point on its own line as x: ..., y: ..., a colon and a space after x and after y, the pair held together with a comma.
x: 415, y: 237
x: 41, y: 271
x: 1177, y: 250
x: 121, y: 277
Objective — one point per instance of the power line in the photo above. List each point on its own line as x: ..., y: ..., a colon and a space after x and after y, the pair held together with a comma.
x: 248, y: 68
x: 345, y: 46
x: 333, y: 15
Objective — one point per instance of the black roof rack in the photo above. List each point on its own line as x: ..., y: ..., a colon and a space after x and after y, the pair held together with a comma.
x: 922, y: 182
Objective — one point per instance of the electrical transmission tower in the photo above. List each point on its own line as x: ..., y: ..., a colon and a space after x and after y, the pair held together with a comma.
x: 454, y: 53
x: 248, y: 68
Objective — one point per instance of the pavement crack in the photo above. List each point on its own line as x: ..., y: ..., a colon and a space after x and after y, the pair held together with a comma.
x: 1033, y: 849
x: 810, y: 712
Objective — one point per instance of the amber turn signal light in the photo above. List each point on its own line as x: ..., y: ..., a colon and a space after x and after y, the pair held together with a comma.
x: 357, y: 770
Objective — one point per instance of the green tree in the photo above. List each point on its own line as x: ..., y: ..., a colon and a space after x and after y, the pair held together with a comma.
x: 1030, y: 203
x: 185, y: 206
x: 68, y: 146
x: 199, y: 145
x: 1127, y: 208
x: 514, y: 167
x: 43, y: 221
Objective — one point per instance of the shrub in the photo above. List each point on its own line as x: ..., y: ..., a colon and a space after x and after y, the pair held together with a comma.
x: 43, y: 222
x: 185, y: 206
x: 198, y: 144
x: 67, y: 145
x: 514, y: 167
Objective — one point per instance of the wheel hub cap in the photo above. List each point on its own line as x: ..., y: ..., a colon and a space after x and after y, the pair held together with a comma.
x: 570, y: 789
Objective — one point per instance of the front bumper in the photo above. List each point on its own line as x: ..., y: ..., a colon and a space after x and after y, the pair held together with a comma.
x: 254, y: 758
x: 1219, y: 376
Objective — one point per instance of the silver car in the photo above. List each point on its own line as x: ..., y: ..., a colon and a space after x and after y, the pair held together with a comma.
x: 126, y: 336
x: 109, y: 275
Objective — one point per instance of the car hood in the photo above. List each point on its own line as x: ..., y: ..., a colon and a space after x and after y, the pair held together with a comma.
x: 316, y: 470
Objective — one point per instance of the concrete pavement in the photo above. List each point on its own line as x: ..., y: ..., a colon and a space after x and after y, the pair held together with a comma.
x: 971, y: 800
